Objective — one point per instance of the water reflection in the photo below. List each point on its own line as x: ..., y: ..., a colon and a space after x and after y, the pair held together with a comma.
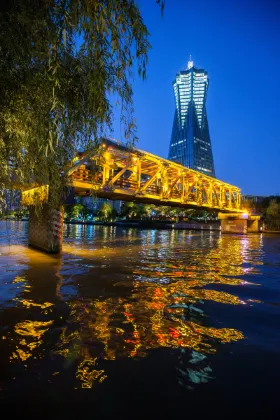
x: 30, y: 297
x: 119, y: 293
x: 29, y: 338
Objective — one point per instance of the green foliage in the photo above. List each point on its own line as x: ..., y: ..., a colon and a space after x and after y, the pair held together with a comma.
x: 138, y: 211
x: 147, y: 211
x: 106, y: 213
x: 73, y: 212
x: 265, y: 203
x: 129, y: 209
x: 114, y: 214
x: 273, y: 215
x: 61, y: 62
x: 17, y: 214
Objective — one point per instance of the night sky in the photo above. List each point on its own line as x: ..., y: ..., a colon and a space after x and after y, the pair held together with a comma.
x: 238, y: 43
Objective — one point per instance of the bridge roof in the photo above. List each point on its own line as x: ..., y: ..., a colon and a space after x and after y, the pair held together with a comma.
x: 121, y: 146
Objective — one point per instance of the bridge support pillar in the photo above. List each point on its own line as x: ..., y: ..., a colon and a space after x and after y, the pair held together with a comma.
x: 240, y: 223
x: 46, y: 231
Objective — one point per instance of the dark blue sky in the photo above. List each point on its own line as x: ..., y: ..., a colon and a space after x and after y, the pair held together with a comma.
x: 238, y: 43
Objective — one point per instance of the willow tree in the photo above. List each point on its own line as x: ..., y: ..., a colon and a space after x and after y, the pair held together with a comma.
x: 61, y: 63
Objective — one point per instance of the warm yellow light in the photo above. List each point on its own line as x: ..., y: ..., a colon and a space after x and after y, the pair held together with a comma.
x: 198, y: 188
x: 35, y: 195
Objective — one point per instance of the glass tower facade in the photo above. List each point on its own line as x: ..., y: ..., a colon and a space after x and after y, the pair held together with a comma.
x: 190, y: 142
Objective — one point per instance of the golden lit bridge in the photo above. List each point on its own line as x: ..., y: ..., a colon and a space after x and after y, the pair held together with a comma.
x: 118, y: 172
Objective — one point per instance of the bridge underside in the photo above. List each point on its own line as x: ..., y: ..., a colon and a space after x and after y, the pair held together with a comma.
x: 86, y: 189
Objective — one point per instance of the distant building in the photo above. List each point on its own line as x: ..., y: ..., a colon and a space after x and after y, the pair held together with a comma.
x: 190, y: 142
x: 254, y: 198
x: 94, y: 204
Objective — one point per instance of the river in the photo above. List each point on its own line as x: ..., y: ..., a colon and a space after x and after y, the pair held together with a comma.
x: 133, y: 322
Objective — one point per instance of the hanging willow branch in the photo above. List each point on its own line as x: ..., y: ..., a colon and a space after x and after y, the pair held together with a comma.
x: 61, y: 62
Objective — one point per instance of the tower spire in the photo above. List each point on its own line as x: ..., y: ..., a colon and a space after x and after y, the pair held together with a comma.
x: 190, y: 63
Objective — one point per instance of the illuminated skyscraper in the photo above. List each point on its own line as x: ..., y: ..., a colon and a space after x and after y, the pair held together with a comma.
x: 190, y: 142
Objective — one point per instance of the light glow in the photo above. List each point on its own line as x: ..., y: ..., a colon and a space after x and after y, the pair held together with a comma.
x: 35, y: 195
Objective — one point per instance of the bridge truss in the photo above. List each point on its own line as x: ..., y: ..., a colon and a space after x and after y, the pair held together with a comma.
x: 118, y: 172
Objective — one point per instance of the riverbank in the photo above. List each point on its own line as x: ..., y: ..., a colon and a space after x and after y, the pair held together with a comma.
x: 153, y: 224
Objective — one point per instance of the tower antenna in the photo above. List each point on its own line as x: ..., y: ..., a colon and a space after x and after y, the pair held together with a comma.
x: 190, y: 62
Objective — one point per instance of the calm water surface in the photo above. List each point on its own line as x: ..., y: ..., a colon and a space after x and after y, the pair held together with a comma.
x: 131, y: 322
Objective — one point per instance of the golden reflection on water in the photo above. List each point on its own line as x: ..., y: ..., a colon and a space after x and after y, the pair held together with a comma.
x: 149, y: 322
x: 161, y: 306
x: 32, y: 331
x: 27, y: 336
x: 22, y: 283
x: 30, y: 303
x: 87, y: 374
